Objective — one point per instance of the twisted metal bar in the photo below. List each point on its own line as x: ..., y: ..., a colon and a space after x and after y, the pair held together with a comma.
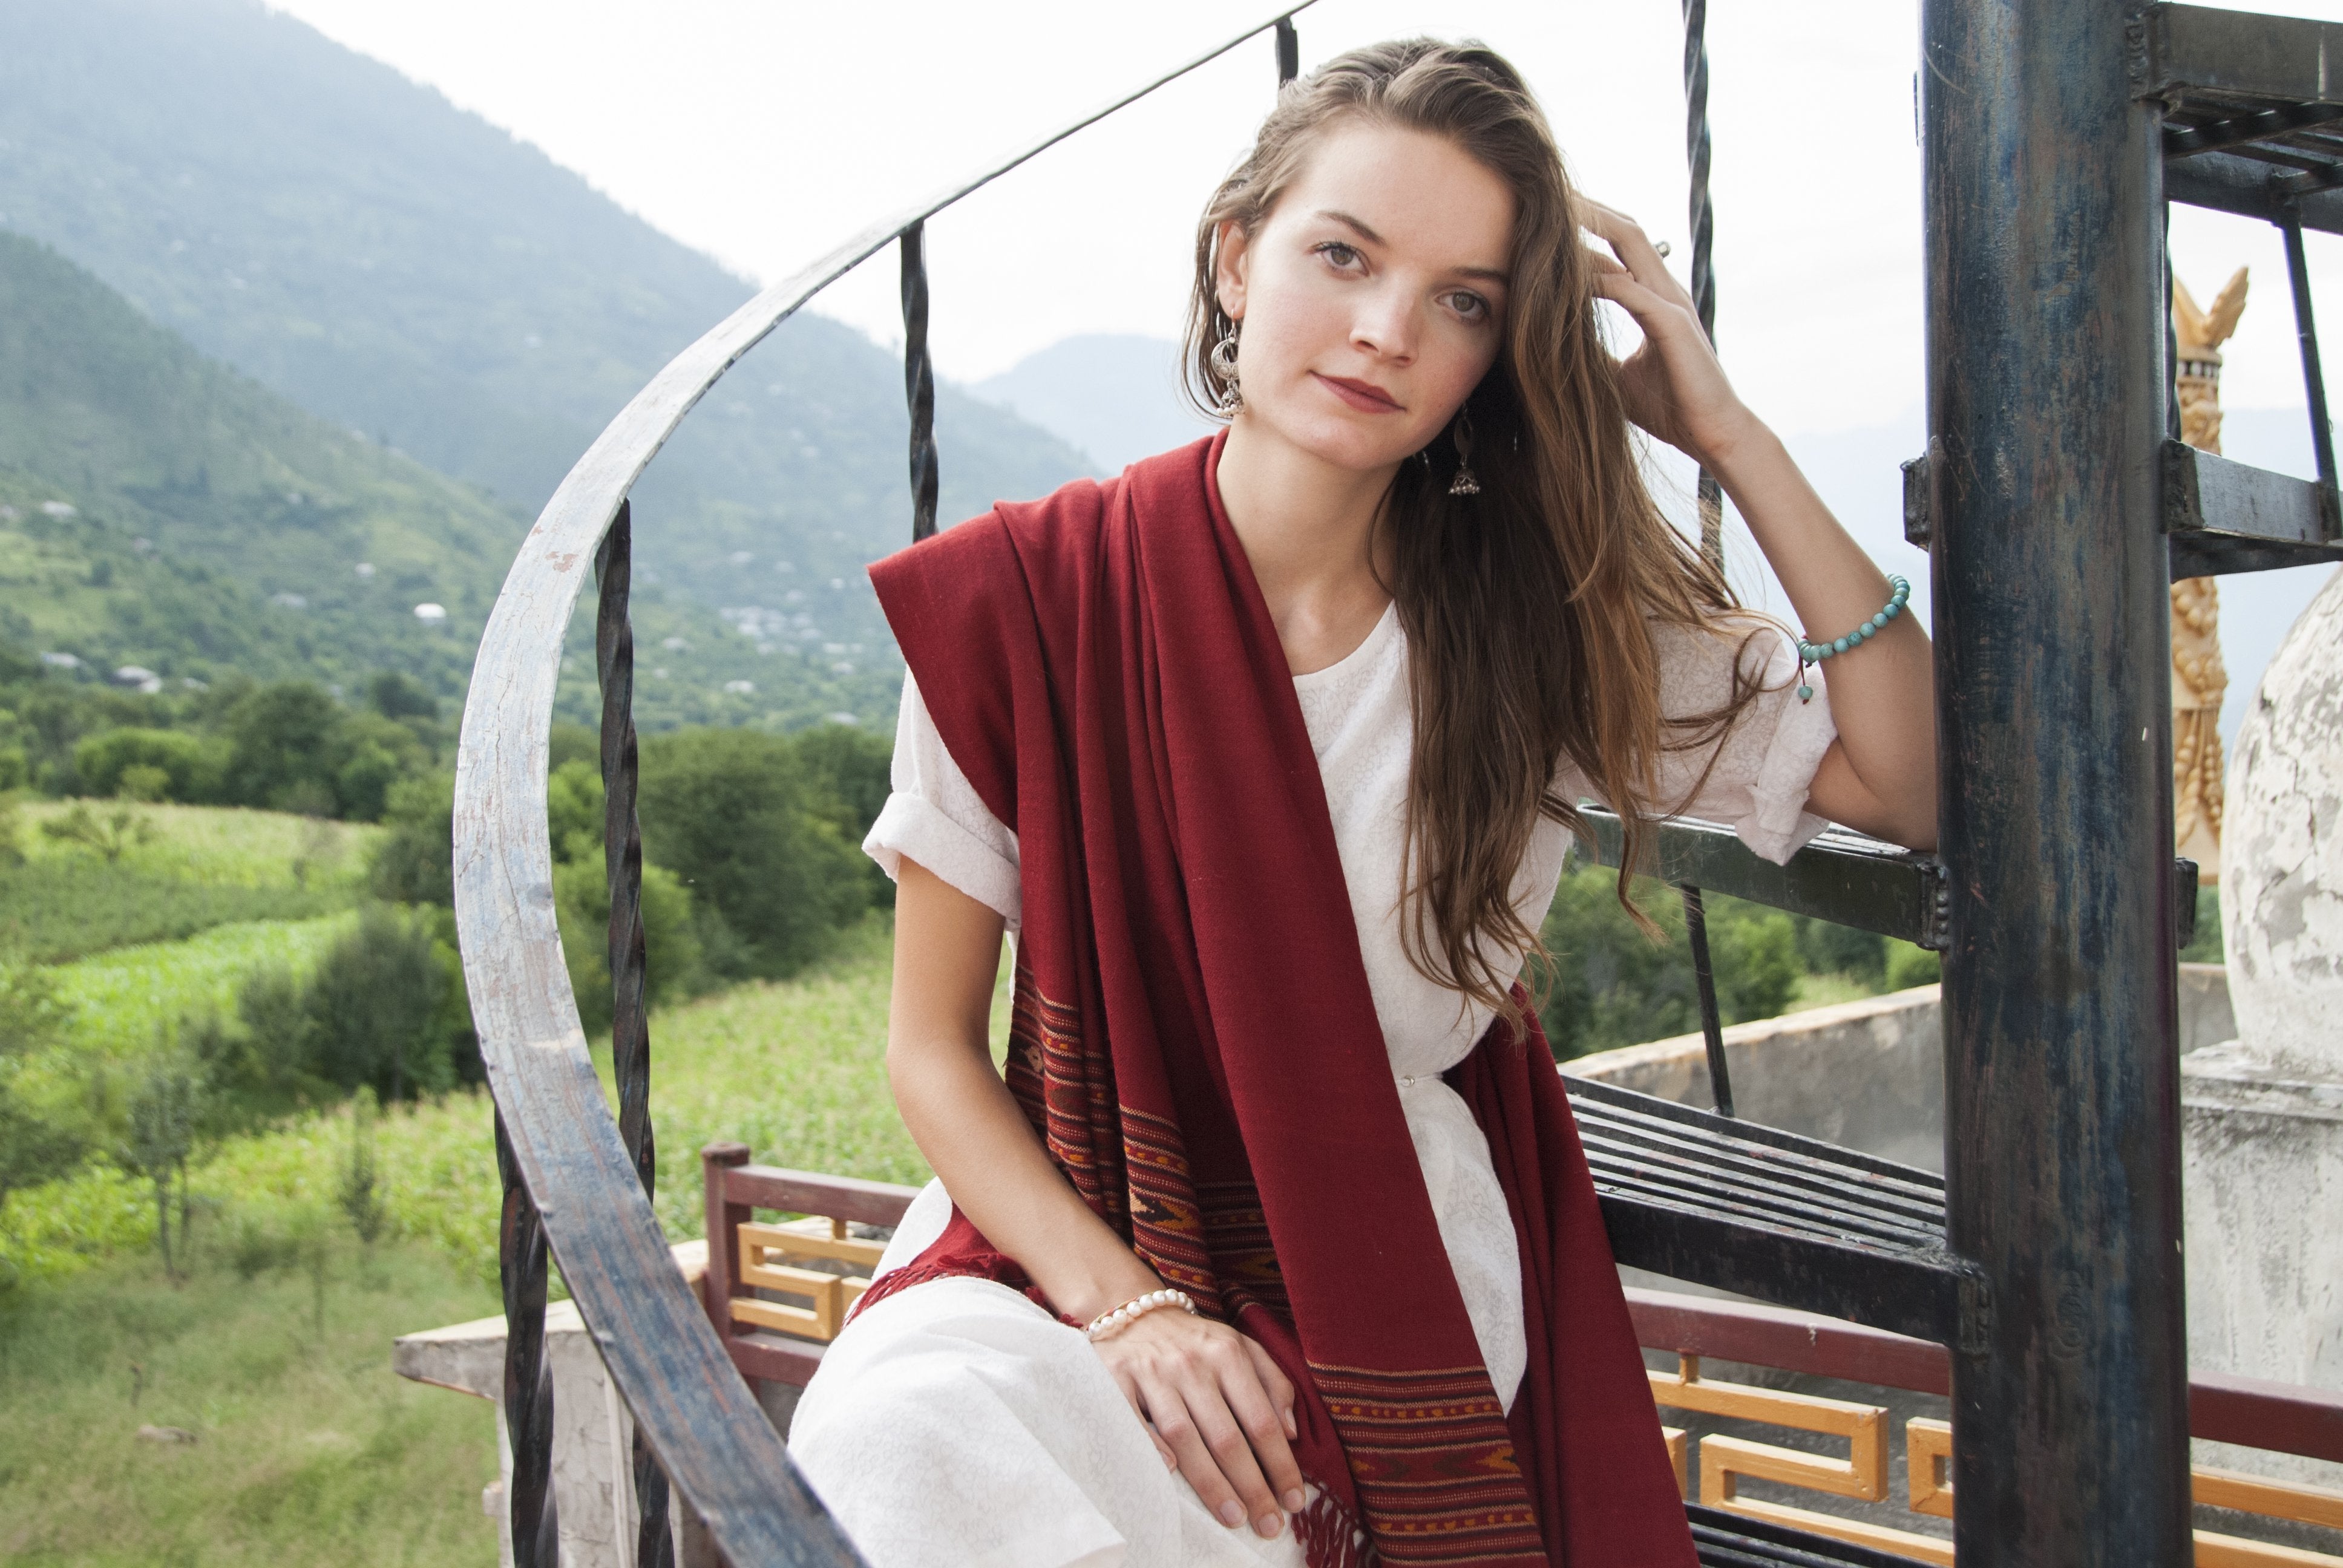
x: 622, y: 864
x: 529, y: 1377
x: 1711, y: 495
x: 919, y: 381
x: 1703, y: 235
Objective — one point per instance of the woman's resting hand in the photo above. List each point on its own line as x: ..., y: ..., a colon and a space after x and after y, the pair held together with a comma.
x: 1219, y: 1410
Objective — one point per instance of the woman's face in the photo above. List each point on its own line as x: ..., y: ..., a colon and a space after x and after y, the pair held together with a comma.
x: 1374, y: 295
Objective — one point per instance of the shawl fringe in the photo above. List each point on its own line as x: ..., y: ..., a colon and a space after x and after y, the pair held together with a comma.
x: 1331, y: 1536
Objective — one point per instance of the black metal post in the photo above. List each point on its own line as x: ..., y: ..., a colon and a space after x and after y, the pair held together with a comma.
x: 622, y: 865
x: 528, y: 1375
x: 1289, y: 51
x: 2045, y: 413
x: 1720, y: 1077
x: 2314, y: 375
x: 919, y: 381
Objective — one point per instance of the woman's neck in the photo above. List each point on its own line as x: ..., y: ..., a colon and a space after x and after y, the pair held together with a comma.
x: 1307, y: 526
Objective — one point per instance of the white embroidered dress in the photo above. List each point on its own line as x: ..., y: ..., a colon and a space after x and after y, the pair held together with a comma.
x: 959, y: 1424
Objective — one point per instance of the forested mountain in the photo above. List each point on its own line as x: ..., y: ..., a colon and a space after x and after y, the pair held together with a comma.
x: 405, y: 270
x: 159, y: 509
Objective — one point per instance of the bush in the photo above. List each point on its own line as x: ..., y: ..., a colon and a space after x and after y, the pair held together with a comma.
x: 851, y: 767
x: 1608, y: 984
x: 33, y: 1149
x: 1753, y: 959
x: 734, y: 814
x: 581, y: 903
x: 1908, y: 966
x: 1830, y: 950
x: 376, y: 1007
x: 292, y: 747
x: 192, y: 768
x: 414, y: 864
x: 109, y: 834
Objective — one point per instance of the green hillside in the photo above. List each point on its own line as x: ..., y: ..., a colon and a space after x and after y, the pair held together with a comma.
x: 159, y: 509
x: 402, y: 268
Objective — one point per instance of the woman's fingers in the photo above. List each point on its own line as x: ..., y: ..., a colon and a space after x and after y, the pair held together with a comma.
x: 1265, y: 1425
x: 1129, y: 1386
x: 1219, y: 1411
x: 1214, y: 1453
x: 1273, y: 1380
x: 1634, y: 247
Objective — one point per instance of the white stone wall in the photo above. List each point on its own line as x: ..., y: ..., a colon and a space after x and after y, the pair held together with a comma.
x: 2282, y: 850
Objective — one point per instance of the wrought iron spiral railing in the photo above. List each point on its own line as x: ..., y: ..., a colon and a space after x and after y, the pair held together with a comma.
x: 575, y: 1177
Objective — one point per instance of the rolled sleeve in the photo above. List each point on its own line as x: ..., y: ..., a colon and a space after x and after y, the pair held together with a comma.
x: 1764, y: 765
x: 935, y: 817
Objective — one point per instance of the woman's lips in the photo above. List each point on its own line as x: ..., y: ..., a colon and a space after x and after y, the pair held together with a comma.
x: 1359, y: 394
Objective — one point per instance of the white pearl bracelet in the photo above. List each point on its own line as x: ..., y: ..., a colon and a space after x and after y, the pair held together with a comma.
x: 1130, y: 1311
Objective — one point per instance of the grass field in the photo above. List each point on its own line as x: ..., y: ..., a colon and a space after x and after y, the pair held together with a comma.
x: 219, y: 846
x: 202, y: 866
x: 126, y: 1001
x: 308, y: 1449
x: 797, y: 1070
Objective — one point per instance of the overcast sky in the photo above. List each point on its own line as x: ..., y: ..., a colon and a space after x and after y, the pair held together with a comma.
x: 765, y: 131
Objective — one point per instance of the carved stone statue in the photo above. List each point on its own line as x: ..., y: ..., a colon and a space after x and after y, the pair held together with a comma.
x: 2198, y: 678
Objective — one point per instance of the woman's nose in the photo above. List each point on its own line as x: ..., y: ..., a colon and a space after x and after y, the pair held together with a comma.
x: 1386, y: 325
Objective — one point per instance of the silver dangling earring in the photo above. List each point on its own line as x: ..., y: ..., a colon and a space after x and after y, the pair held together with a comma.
x: 1224, y: 361
x: 1465, y: 483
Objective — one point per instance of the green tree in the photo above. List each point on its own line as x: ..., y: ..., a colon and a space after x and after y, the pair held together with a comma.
x: 850, y: 766
x: 414, y: 862
x: 164, y: 1108
x: 192, y: 765
x: 279, y: 742
x: 375, y: 1006
x: 109, y: 833
x: 581, y: 903
x: 33, y: 1147
x: 358, y: 1186
x: 33, y: 1016
x: 1606, y: 983
x: 733, y: 814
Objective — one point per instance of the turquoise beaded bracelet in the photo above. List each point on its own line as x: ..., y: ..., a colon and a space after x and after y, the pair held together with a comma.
x: 1815, y: 652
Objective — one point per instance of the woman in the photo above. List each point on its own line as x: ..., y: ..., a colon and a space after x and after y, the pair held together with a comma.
x: 1271, y: 750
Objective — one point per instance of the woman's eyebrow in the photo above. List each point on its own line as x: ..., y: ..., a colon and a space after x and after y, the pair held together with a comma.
x: 1485, y: 274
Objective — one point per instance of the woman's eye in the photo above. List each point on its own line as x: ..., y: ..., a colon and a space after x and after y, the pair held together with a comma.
x: 1470, y: 306
x: 1336, y: 251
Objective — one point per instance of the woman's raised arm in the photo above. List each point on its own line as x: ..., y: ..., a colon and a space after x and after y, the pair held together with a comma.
x: 1880, y: 775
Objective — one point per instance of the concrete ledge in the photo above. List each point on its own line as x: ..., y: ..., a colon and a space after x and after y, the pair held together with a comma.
x: 1866, y: 1075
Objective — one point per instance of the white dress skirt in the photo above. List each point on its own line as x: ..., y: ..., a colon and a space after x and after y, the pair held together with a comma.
x: 958, y: 1423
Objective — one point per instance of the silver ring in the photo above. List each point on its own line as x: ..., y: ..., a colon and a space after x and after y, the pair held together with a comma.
x: 1663, y: 249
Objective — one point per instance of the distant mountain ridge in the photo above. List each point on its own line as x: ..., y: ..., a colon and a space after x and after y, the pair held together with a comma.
x: 159, y: 509
x: 1113, y: 397
x: 403, y: 269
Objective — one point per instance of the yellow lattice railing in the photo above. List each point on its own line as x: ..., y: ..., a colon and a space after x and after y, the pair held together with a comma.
x: 1723, y: 1462
x: 763, y: 1251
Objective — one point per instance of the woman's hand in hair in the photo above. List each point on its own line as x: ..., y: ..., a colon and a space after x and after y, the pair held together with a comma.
x: 1673, y: 384
x: 1219, y: 1410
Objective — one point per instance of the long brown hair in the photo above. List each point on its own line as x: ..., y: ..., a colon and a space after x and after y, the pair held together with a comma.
x: 1530, y: 607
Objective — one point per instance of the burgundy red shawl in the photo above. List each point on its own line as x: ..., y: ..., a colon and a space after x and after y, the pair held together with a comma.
x: 1195, y: 1043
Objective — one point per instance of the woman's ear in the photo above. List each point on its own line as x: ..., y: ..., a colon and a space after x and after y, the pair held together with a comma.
x: 1231, y: 256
